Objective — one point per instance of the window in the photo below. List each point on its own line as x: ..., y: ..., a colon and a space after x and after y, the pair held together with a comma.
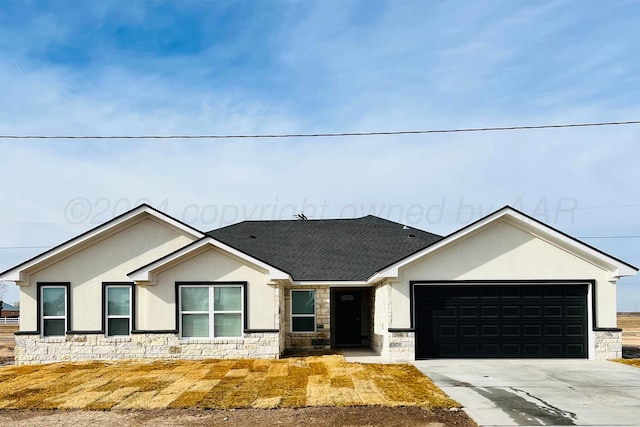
x: 53, y: 300
x: 211, y: 311
x: 118, y: 310
x: 303, y: 311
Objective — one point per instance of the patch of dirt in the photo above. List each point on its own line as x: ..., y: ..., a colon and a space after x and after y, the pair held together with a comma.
x: 7, y: 344
x: 630, y: 351
x: 630, y: 325
x: 317, y: 417
x: 629, y: 322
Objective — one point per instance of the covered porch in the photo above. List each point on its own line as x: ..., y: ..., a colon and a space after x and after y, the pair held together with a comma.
x: 329, y: 318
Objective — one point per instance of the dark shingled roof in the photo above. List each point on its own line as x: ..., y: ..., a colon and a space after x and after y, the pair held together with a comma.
x: 322, y: 250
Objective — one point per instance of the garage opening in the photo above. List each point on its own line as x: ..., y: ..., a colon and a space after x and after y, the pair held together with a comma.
x: 505, y: 320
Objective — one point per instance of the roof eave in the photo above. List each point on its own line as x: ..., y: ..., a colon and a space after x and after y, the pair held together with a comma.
x: 619, y: 268
x: 146, y: 273
x: 17, y: 273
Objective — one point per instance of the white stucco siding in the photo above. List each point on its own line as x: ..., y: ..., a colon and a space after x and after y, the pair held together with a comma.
x: 28, y: 309
x: 503, y: 252
x: 156, y: 304
x: 106, y: 260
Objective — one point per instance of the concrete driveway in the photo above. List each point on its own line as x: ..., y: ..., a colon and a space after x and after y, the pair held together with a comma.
x: 540, y: 392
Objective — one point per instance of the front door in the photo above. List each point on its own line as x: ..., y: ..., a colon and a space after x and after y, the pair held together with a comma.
x: 348, y: 313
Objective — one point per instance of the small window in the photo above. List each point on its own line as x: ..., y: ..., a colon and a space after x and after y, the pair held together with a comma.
x: 211, y: 311
x: 118, y: 311
x: 303, y: 311
x: 54, y: 310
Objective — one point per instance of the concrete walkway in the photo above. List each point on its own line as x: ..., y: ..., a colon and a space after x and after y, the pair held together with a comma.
x: 540, y: 392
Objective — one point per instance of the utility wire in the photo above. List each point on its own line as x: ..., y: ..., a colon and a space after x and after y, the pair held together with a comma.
x: 577, y: 237
x: 608, y: 237
x: 25, y: 247
x: 314, y: 135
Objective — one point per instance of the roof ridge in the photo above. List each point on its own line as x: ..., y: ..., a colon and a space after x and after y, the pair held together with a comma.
x: 257, y: 221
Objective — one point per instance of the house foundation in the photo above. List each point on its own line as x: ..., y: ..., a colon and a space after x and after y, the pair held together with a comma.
x: 608, y: 344
x: 32, y: 349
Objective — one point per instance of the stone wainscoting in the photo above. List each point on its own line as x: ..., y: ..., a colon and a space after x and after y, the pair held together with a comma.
x: 32, y: 349
x: 608, y: 344
x: 402, y: 346
x: 377, y: 343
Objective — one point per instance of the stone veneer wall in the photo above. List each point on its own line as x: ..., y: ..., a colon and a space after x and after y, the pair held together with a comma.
x: 608, y: 344
x: 402, y: 346
x: 281, y: 323
x: 319, y: 340
x: 381, y: 319
x: 32, y: 349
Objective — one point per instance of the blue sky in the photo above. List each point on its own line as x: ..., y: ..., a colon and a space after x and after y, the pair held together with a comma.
x: 256, y: 67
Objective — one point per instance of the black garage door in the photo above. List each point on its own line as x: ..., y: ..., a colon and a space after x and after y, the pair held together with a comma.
x: 502, y: 320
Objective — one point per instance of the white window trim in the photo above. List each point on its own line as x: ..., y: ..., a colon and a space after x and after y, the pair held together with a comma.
x: 211, y: 312
x: 303, y: 315
x: 43, y: 317
x: 116, y: 316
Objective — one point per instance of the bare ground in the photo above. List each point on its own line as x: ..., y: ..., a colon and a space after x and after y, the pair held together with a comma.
x: 317, y: 417
x: 7, y: 343
x: 630, y: 325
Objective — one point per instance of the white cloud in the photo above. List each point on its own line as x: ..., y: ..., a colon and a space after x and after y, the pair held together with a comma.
x: 407, y: 68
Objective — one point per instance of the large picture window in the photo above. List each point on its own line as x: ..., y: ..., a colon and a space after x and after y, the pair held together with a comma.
x: 118, y: 310
x: 303, y: 311
x: 53, y: 309
x: 211, y: 311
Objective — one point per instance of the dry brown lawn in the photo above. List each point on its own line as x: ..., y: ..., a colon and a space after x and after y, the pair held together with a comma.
x: 312, y: 381
x: 632, y: 362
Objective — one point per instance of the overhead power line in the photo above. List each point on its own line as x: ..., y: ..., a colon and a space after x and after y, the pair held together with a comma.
x: 577, y: 237
x: 608, y: 237
x: 315, y: 135
x: 25, y: 247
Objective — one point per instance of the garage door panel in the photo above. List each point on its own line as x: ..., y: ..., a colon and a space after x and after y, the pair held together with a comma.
x: 575, y: 311
x: 553, y: 330
x: 533, y: 350
x: 553, y: 350
x: 511, y: 350
x: 488, y: 311
x: 501, y: 320
x: 448, y: 312
x: 468, y: 331
x: 575, y: 330
x: 511, y: 331
x: 575, y: 291
x: 469, y: 293
x: 467, y: 350
x: 532, y: 311
x: 487, y: 293
x: 448, y: 331
x: 511, y: 311
x: 491, y: 349
x: 490, y: 331
x: 532, y: 331
x: 532, y: 293
x: 576, y: 350
x: 469, y: 311
x: 553, y: 311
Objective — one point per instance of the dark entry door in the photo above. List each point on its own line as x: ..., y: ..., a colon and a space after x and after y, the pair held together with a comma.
x: 507, y: 320
x: 348, y: 318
